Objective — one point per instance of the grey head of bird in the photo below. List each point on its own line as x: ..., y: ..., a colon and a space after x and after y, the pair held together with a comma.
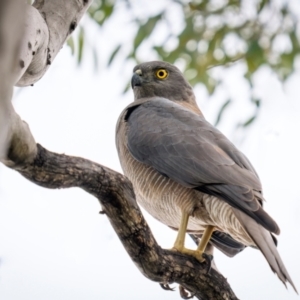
x: 160, y: 79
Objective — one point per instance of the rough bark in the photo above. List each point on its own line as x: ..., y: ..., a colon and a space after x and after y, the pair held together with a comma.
x: 117, y: 199
x: 48, y: 25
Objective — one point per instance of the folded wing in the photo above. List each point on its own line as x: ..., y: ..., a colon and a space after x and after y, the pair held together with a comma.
x: 186, y: 148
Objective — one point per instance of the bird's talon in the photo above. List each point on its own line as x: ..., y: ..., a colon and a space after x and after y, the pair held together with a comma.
x: 166, y: 287
x: 185, y: 294
x: 208, y: 258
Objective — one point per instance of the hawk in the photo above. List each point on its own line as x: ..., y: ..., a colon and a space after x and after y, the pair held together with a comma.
x: 187, y: 174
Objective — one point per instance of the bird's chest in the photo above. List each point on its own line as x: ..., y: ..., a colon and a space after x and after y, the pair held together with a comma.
x: 160, y: 196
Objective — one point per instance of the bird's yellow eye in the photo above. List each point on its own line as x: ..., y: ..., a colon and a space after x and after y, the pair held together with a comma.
x: 161, y: 73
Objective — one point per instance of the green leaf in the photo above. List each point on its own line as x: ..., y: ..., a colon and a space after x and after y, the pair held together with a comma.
x: 96, y: 60
x: 256, y: 101
x: 254, y: 56
x: 197, y: 6
x: 249, y: 121
x: 70, y: 43
x: 262, y: 4
x: 113, y: 54
x: 101, y: 11
x: 127, y: 87
x: 108, y: 9
x: 221, y: 111
x: 80, y: 45
x: 160, y: 51
x: 145, y: 30
x: 294, y: 40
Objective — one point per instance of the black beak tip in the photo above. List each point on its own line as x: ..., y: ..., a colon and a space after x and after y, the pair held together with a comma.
x: 136, y: 80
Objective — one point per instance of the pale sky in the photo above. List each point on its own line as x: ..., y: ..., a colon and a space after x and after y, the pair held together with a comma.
x: 54, y: 245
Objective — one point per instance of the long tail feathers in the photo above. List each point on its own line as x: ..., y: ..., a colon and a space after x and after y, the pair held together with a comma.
x: 263, y: 240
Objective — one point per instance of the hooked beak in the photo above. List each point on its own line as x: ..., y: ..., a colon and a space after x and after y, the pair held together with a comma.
x: 136, y: 79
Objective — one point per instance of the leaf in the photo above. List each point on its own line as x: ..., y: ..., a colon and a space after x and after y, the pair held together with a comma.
x: 145, y: 30
x: 261, y: 5
x: 127, y: 87
x: 197, y: 6
x: 294, y: 40
x: 221, y: 111
x: 113, y: 54
x: 80, y: 44
x: 70, y: 43
x: 249, y: 121
x: 96, y: 60
x: 108, y: 9
x: 254, y: 56
x: 160, y: 51
x: 256, y: 101
x: 101, y: 11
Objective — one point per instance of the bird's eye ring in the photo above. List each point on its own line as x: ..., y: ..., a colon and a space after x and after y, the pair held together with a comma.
x: 161, y: 74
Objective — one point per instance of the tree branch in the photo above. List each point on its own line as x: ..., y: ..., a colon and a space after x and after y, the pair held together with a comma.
x: 117, y: 199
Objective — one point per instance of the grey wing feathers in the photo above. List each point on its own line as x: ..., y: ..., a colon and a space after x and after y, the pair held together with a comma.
x: 265, y: 242
x: 222, y: 241
x: 186, y: 148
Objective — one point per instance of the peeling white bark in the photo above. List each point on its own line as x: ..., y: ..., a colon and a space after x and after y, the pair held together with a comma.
x: 26, y: 52
x: 10, y: 33
x: 48, y: 25
x: 21, y: 146
x: 33, y: 52
x: 3, y: 131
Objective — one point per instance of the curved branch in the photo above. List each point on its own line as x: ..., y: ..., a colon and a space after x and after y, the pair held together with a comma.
x: 117, y: 199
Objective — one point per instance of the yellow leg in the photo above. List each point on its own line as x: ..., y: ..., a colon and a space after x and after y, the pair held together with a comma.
x: 205, y: 238
x: 179, y: 243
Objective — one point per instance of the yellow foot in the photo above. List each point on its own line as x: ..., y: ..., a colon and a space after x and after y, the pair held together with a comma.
x: 199, y: 255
